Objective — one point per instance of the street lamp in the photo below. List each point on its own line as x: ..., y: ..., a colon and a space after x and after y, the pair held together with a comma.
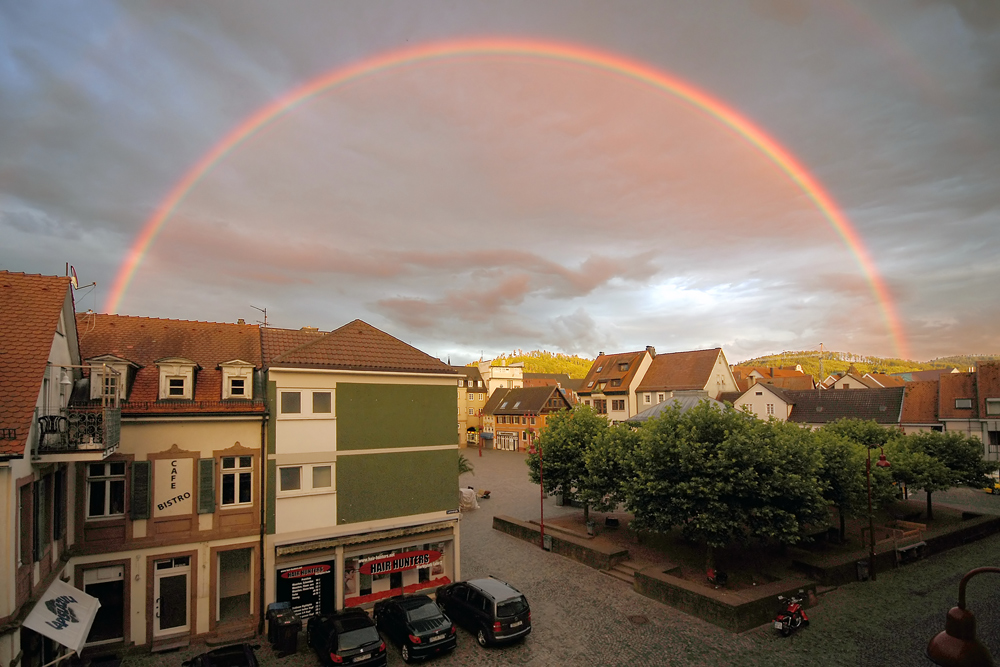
x: 882, y: 463
x: 956, y: 645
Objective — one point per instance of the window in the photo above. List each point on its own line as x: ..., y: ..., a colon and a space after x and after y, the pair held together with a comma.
x: 770, y: 408
x: 480, y: 397
x: 472, y: 411
x: 517, y: 404
x: 649, y: 398
x: 993, y: 406
x: 599, y: 369
x: 994, y: 444
x: 601, y: 406
x: 109, y: 388
x: 532, y: 420
x: 237, y: 387
x: 759, y: 393
x: 322, y: 403
x: 58, y: 504
x: 105, y: 489
x: 471, y: 397
x: 237, y: 480
x: 623, y: 367
x: 586, y: 402
x: 659, y: 398
x: 322, y: 477
x: 291, y: 478
x: 846, y: 386
x: 26, y: 524
x: 291, y: 402
x: 618, y: 405
x: 590, y: 384
x: 616, y: 382
x: 963, y: 403
x: 175, y: 387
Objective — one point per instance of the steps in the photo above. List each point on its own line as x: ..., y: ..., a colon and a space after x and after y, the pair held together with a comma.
x: 624, y: 571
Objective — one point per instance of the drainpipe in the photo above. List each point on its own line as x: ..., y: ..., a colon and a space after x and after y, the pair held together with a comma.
x: 263, y: 525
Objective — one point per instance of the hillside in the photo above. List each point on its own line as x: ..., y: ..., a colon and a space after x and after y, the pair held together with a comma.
x: 540, y: 361
x: 834, y: 362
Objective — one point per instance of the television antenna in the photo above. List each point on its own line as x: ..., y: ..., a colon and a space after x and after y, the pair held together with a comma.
x: 263, y: 310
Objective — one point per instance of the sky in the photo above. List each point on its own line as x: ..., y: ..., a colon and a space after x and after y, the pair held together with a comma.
x: 481, y: 201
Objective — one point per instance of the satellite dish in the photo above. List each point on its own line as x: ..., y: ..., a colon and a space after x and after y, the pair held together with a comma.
x: 73, y: 279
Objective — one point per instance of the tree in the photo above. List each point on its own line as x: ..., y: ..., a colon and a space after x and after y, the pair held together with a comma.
x: 463, y: 465
x: 842, y: 473
x: 607, y: 463
x: 724, y: 477
x: 564, y: 443
x: 864, y: 432
x: 959, y: 454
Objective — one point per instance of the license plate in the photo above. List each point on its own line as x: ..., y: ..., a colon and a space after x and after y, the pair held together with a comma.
x: 360, y: 658
x: 437, y: 638
x: 778, y: 625
x: 516, y: 624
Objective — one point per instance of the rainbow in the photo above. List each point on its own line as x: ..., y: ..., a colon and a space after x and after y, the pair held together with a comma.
x: 587, y: 57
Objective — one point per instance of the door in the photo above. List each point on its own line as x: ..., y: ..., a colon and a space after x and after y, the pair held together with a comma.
x: 107, y: 584
x: 171, y: 596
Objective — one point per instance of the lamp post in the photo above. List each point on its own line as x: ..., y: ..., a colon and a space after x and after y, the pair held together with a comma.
x: 541, y: 499
x: 956, y: 645
x: 882, y: 463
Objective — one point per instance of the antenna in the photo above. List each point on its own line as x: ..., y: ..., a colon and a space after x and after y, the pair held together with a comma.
x: 71, y: 274
x: 263, y: 310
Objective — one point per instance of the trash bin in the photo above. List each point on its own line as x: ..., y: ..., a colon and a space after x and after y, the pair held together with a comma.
x: 283, y: 630
x: 863, y: 570
x: 547, y: 542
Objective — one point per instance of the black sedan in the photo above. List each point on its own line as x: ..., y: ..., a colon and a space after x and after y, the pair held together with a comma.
x: 417, y: 625
x: 347, y: 637
x: 236, y: 655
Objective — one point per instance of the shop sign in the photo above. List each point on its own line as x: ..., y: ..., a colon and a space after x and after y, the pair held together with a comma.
x: 399, y: 562
x: 305, y: 571
x: 173, y: 487
x: 308, y: 588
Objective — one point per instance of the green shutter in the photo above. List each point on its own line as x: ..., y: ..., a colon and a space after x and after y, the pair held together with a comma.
x: 140, y: 489
x: 206, y: 486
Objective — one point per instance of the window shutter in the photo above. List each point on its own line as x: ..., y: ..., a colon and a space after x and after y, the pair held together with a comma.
x: 140, y: 489
x: 206, y: 486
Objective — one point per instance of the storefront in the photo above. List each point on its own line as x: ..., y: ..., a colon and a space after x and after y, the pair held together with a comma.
x: 358, y: 570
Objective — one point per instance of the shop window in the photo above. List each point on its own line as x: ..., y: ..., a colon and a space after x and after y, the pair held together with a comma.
x: 291, y: 402
x: 237, y: 480
x: 322, y: 402
x: 105, y: 490
x: 107, y: 584
x: 234, y: 585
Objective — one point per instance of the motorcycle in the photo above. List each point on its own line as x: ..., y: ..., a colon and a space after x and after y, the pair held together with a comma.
x: 792, y: 617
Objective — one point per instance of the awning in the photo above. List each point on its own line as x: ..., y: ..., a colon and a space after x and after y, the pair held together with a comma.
x: 64, y: 614
x: 359, y: 538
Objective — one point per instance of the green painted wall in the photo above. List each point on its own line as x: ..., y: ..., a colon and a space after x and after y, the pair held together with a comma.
x: 382, y: 486
x: 378, y: 416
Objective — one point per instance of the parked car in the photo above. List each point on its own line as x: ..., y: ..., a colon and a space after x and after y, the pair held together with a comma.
x: 417, y: 625
x: 235, y: 655
x: 494, y: 611
x: 347, y: 637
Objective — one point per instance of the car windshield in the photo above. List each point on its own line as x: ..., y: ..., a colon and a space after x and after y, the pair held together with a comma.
x: 424, y: 612
x: 357, y: 638
x: 512, y: 607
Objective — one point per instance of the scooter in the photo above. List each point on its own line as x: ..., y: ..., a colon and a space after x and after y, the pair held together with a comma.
x: 792, y: 617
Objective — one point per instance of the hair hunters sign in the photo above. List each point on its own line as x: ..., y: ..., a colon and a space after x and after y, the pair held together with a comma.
x: 404, y: 561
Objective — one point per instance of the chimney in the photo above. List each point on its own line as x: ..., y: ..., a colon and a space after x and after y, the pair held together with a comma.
x: 600, y: 354
x: 309, y: 329
x: 652, y: 351
x: 240, y: 321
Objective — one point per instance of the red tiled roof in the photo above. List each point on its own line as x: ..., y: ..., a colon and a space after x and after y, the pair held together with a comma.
x: 609, y: 370
x: 957, y: 385
x: 988, y: 377
x: 920, y: 402
x: 529, y: 400
x: 29, y: 314
x: 677, y: 371
x: 796, y: 382
x: 145, y: 340
x: 887, y: 380
x: 354, y: 346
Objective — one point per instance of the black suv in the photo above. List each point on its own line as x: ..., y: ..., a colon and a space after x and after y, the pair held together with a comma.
x: 347, y: 637
x: 417, y: 625
x: 494, y: 611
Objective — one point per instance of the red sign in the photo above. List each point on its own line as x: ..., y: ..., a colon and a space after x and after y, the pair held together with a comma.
x: 404, y: 561
x: 305, y: 571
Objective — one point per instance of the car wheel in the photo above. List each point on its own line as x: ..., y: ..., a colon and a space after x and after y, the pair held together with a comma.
x: 406, y: 653
x: 482, y: 638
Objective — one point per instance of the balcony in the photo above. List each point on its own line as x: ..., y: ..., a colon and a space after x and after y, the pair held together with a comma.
x: 89, y: 433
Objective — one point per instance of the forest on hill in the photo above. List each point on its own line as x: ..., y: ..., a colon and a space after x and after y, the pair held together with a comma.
x: 834, y: 362
x: 540, y: 361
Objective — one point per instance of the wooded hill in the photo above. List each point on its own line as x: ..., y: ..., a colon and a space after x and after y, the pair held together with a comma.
x: 838, y: 362
x: 540, y: 361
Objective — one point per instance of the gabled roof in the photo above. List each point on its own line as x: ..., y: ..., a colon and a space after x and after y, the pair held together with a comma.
x: 471, y: 372
x: 607, y: 368
x: 820, y: 407
x: 685, y: 402
x: 920, y: 402
x: 797, y: 382
x: 144, y: 341
x: 957, y: 385
x: 30, y: 306
x: 494, y: 400
x: 679, y: 371
x: 933, y: 374
x: 354, y: 346
x: 776, y: 391
x: 529, y: 400
x: 886, y: 380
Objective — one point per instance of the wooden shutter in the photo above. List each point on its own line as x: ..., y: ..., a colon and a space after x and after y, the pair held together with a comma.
x: 206, y: 486
x: 140, y: 489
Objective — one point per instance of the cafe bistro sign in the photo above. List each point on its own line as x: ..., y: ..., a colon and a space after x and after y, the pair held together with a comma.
x: 399, y: 562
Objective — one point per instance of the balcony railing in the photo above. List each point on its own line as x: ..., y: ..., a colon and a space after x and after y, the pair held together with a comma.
x: 79, y: 429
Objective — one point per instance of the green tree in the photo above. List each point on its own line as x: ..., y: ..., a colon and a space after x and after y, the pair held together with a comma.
x: 864, y: 432
x: 842, y: 473
x: 960, y: 459
x: 725, y: 477
x: 568, y: 436
x: 608, y: 465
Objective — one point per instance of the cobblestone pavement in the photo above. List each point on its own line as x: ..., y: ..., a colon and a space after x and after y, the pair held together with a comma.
x: 583, y: 617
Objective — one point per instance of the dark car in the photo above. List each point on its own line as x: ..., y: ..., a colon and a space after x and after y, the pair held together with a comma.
x: 236, y: 655
x: 347, y: 637
x: 492, y: 610
x: 417, y: 625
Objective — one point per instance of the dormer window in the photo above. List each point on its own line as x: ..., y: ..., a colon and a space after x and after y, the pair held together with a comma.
x: 176, y: 378
x: 623, y: 367
x: 237, y: 379
x: 109, y: 377
x: 616, y: 383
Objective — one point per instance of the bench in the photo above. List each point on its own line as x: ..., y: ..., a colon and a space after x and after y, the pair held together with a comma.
x: 911, y: 552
